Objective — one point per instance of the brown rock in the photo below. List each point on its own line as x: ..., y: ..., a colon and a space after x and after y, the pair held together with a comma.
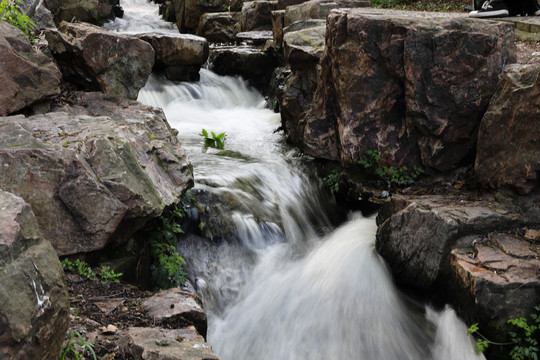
x: 95, y: 12
x: 34, y: 305
x: 175, y: 306
x: 379, y: 89
x: 27, y: 75
x: 96, y: 59
x: 507, y: 151
x: 189, y: 12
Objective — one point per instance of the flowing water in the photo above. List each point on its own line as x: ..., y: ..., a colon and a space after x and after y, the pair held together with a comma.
x: 286, y: 284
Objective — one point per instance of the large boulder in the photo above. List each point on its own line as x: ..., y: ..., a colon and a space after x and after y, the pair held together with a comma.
x: 94, y: 173
x: 189, y: 12
x: 40, y: 15
x: 257, y: 15
x: 303, y: 44
x: 91, y: 11
x: 417, y: 83
x: 318, y: 9
x: 27, y: 75
x: 252, y: 63
x: 416, y: 235
x: 481, y: 255
x: 218, y: 27
x: 34, y: 305
x: 95, y: 59
x: 507, y: 151
x: 180, y: 56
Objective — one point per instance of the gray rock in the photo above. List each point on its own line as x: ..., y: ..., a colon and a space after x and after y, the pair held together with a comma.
x: 95, y: 12
x: 95, y: 59
x: 507, y: 150
x: 180, y: 56
x: 416, y: 235
x: 252, y: 63
x: 93, y: 174
x: 154, y: 344
x: 40, y: 15
x: 303, y: 48
x: 318, y: 9
x: 176, y: 307
x: 218, y: 27
x: 34, y: 305
x: 257, y: 15
x: 27, y: 75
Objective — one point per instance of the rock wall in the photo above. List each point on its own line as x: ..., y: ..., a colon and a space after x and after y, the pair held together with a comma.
x: 416, y: 83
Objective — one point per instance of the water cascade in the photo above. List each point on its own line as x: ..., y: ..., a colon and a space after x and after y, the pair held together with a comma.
x: 287, y: 284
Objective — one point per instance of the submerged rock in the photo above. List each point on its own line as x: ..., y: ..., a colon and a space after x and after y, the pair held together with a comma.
x: 27, y: 75
x: 34, y: 304
x: 96, y: 59
x: 93, y: 173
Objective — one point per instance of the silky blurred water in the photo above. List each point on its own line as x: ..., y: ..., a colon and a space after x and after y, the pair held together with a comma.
x: 294, y: 288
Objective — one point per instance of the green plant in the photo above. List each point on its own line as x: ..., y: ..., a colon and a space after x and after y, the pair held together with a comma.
x: 524, y: 337
x: 85, y: 346
x: 167, y: 265
x: 80, y: 267
x: 332, y: 180
x: 216, y: 141
x: 393, y: 175
x: 10, y: 13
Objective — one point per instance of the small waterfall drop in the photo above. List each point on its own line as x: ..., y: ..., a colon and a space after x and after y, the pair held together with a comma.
x: 286, y: 285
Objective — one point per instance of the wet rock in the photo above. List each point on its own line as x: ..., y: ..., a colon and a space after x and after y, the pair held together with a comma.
x: 278, y: 22
x: 218, y: 27
x: 189, y: 12
x: 152, y: 343
x: 180, y: 56
x: 254, y: 37
x: 27, y: 75
x: 96, y: 172
x: 393, y: 81
x: 257, y: 15
x: 176, y: 308
x: 34, y: 305
x: 95, y: 59
x: 253, y: 64
x: 507, y: 151
x: 416, y: 235
x: 95, y: 12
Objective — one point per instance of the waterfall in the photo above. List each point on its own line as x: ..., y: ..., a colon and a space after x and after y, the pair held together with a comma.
x: 286, y: 284
x: 293, y: 288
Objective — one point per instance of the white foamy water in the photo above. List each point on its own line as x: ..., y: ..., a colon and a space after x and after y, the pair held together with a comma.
x: 140, y: 16
x: 283, y: 291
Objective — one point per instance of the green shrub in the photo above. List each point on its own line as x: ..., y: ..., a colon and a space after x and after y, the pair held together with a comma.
x: 332, y: 180
x: 393, y: 175
x: 71, y: 348
x: 524, y: 337
x: 106, y: 274
x: 167, y: 265
x: 10, y: 13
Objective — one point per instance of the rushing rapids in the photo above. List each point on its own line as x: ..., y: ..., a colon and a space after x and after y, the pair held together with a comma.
x: 287, y: 285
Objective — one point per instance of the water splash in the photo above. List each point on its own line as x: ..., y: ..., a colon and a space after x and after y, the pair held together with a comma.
x: 140, y: 16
